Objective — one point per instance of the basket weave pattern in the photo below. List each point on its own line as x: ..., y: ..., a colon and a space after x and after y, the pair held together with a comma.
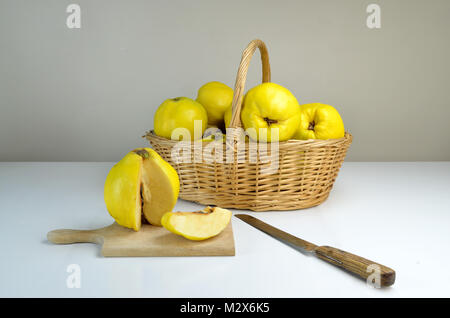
x: 306, y: 170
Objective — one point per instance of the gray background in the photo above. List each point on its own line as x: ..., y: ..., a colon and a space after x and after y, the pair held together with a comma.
x: 89, y: 94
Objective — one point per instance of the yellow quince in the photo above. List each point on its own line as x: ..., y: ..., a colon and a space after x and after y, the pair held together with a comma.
x: 180, y: 112
x: 319, y: 121
x: 270, y: 106
x: 216, y: 97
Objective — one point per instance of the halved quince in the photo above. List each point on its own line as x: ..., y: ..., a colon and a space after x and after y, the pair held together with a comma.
x: 142, y: 183
x: 199, y: 225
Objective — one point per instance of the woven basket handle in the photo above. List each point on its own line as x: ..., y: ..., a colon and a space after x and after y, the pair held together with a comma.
x: 242, y: 76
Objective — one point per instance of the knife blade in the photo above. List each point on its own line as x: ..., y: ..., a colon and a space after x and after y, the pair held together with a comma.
x: 277, y: 233
x: 379, y: 275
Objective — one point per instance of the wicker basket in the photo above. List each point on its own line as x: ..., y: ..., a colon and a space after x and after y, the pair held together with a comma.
x: 306, y: 169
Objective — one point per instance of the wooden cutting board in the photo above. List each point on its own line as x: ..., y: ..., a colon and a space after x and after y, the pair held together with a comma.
x: 149, y: 241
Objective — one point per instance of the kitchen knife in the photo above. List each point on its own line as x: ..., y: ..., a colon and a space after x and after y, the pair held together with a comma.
x: 350, y: 262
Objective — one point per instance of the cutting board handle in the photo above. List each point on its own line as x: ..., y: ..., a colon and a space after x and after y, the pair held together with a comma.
x: 74, y: 236
x: 357, y: 265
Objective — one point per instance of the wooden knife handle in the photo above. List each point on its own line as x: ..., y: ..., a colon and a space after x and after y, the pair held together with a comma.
x: 357, y: 265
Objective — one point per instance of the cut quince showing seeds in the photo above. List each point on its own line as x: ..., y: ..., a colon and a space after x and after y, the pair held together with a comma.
x: 199, y: 225
x: 141, y: 183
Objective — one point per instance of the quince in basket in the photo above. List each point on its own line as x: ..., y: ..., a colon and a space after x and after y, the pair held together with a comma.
x: 180, y: 112
x: 142, y: 183
x: 270, y: 105
x: 216, y: 97
x: 199, y: 225
x: 319, y: 121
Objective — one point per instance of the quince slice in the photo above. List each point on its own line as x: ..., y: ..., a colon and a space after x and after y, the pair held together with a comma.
x: 142, y: 183
x: 199, y: 225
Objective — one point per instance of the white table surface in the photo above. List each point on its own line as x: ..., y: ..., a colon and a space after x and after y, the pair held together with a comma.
x: 397, y: 214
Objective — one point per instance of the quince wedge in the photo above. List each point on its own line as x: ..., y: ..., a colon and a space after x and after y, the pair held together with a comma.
x: 141, y: 184
x: 198, y: 225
